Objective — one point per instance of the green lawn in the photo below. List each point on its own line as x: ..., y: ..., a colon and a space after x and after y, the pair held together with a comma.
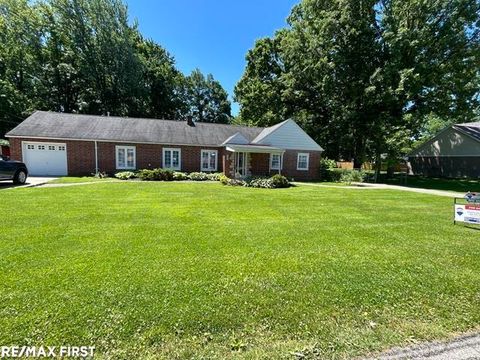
x: 80, y: 179
x: 460, y: 185
x: 182, y: 270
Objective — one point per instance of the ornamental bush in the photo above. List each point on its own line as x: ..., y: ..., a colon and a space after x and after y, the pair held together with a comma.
x: 260, y: 183
x: 155, y: 175
x: 179, y: 176
x: 198, y: 176
x: 146, y: 175
x: 125, y: 175
x: 279, y: 181
x: 353, y: 176
x: 224, y: 179
x: 326, y: 165
x: 276, y: 181
x: 214, y: 176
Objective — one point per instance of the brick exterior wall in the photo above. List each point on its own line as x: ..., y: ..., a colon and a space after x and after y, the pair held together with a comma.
x: 81, y: 158
x: 446, y: 166
x: 260, y: 165
x: 81, y: 155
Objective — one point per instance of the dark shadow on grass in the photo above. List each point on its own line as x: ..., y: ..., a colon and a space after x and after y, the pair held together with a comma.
x: 413, y: 181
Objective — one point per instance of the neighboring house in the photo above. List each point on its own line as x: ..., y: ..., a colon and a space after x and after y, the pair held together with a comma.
x: 453, y: 152
x: 70, y: 144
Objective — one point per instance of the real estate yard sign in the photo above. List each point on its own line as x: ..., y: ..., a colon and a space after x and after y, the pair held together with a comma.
x: 468, y: 213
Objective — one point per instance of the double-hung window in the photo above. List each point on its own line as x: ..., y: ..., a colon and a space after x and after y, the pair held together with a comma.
x: 209, y: 160
x: 125, y: 157
x: 302, y: 161
x: 172, y: 159
x: 275, y: 161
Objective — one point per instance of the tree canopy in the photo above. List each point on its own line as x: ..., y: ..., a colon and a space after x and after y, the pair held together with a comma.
x: 367, y: 77
x: 84, y: 56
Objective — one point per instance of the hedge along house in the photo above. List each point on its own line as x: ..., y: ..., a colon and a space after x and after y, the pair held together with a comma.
x: 70, y: 144
x: 454, y: 152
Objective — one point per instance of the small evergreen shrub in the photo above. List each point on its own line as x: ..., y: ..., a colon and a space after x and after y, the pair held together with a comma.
x: 224, y: 179
x: 279, y: 181
x: 125, y: 175
x: 326, y: 165
x: 155, y: 175
x: 260, y: 183
x: 336, y: 174
x: 214, y: 176
x: 353, y: 176
x: 276, y: 181
x: 146, y: 175
x: 180, y: 176
x: 198, y: 176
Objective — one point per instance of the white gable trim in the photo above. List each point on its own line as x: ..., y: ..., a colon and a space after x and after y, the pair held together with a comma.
x: 236, y: 138
x: 287, y: 135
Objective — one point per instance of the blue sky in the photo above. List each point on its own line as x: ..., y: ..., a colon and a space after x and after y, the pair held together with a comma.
x: 213, y: 35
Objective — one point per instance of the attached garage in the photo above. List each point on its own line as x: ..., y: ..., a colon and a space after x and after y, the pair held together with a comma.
x: 45, y: 159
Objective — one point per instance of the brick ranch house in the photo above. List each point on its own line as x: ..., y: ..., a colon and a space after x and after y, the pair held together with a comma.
x: 59, y: 144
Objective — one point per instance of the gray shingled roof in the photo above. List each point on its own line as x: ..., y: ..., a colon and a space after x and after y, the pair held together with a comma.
x: 42, y: 124
x: 472, y: 129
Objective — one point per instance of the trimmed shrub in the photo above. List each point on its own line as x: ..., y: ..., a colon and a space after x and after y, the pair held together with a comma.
x: 179, y: 176
x: 214, y: 176
x: 155, y: 175
x: 279, y: 181
x: 260, y: 183
x: 224, y: 179
x: 276, y: 181
x: 326, y: 165
x: 198, y: 176
x: 336, y: 174
x: 125, y: 175
x: 146, y: 175
x: 353, y: 176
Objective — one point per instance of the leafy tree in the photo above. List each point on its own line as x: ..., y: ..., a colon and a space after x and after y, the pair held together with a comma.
x: 20, y: 55
x: 261, y: 87
x: 164, y: 83
x: 363, y: 77
x: 206, y: 100
x: 84, y: 56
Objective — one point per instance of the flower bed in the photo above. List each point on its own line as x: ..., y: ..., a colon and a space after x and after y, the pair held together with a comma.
x: 274, y: 182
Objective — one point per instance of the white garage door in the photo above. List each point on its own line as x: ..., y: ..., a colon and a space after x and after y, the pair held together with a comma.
x: 45, y: 159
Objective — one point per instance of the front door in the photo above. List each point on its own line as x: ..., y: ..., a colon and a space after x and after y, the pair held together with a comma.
x: 241, y: 164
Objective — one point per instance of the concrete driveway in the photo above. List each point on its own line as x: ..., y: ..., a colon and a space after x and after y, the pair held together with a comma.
x: 31, y: 181
x: 466, y: 347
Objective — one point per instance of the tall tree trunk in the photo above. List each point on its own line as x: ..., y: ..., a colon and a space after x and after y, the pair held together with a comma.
x: 378, y: 165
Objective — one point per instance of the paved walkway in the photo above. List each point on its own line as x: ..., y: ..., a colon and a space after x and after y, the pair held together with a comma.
x: 369, y: 186
x: 466, y: 347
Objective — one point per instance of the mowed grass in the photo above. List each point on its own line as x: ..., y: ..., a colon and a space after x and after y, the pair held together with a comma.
x: 80, y: 179
x: 459, y: 185
x: 191, y: 270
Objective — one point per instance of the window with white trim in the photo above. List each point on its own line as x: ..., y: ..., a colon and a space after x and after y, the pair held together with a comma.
x: 275, y: 161
x: 30, y: 147
x: 125, y: 157
x: 172, y: 159
x: 209, y: 160
x: 51, y: 147
x: 302, y: 161
x: 41, y: 147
